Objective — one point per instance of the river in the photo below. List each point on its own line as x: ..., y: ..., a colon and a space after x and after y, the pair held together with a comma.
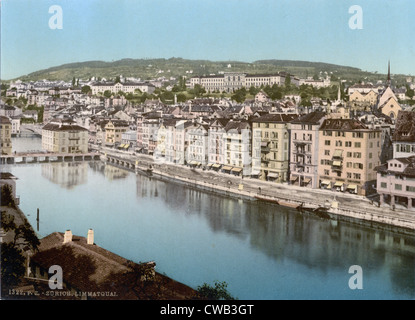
x: 263, y: 251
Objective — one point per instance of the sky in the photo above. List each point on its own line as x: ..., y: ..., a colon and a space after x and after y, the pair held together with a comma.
x: 34, y: 38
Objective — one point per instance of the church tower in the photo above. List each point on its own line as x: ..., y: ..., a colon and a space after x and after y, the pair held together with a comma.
x: 388, y: 81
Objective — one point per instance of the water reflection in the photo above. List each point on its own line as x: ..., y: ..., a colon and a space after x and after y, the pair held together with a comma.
x: 66, y: 174
x: 109, y: 172
x: 283, y: 233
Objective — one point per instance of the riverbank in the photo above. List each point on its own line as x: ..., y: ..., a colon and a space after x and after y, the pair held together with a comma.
x: 339, y: 204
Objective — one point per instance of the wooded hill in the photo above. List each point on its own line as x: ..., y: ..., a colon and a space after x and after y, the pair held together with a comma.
x: 174, y: 67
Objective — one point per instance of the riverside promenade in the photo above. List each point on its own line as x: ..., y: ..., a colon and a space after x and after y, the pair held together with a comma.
x: 340, y: 204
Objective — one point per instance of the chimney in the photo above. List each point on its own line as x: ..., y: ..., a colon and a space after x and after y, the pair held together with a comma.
x: 90, y: 237
x: 67, y: 237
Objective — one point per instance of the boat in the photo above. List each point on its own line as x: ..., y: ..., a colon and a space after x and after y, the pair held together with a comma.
x: 321, y: 212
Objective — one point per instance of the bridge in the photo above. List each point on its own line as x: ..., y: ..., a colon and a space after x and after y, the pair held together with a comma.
x: 130, y: 163
x: 43, y: 157
x: 30, y: 129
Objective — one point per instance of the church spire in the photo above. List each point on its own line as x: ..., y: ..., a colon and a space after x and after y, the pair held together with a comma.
x: 388, y: 82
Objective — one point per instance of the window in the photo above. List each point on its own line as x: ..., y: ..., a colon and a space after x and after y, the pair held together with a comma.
x: 357, y: 145
x: 410, y: 189
x: 383, y: 185
x: 327, y: 142
x: 326, y: 152
x: 398, y: 186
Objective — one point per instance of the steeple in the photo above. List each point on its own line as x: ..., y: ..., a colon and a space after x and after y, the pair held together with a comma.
x: 388, y: 81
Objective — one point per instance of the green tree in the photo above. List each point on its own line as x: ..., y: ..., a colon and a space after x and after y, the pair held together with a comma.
x: 86, y: 89
x: 12, y: 266
x: 218, y: 292
x: 107, y: 94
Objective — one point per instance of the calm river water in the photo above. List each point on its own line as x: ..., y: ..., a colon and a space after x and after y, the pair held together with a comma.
x: 262, y: 251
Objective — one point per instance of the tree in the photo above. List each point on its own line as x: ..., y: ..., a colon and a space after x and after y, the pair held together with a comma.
x: 218, y: 292
x: 12, y: 265
x: 86, y: 89
x: 107, y: 94
x: 7, y: 198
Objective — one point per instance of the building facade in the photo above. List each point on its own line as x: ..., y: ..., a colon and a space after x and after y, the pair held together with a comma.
x: 304, y: 149
x: 349, y: 152
x: 5, y: 135
x: 396, y: 182
x: 403, y: 138
x: 271, y: 147
x: 64, y: 136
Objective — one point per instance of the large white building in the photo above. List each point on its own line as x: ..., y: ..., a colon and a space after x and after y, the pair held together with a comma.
x: 127, y: 87
x: 231, y: 81
x: 64, y: 136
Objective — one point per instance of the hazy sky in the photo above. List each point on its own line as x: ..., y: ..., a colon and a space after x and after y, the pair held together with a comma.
x: 244, y: 30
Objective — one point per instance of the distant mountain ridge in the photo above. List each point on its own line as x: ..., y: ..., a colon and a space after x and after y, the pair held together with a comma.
x: 174, y: 67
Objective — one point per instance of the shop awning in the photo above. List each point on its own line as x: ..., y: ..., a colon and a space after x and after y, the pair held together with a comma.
x: 236, y: 169
x: 307, y: 180
x: 122, y: 145
x: 325, y: 182
x: 193, y: 162
x: 255, y: 172
x: 338, y: 184
x: 227, y: 168
x: 272, y: 175
x: 352, y: 187
x: 126, y: 146
x: 216, y: 165
x: 294, y: 178
x: 209, y: 165
x: 264, y: 143
x: 337, y: 163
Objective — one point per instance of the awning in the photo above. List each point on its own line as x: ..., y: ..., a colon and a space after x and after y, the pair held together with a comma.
x: 209, y: 165
x: 193, y: 162
x: 352, y: 187
x: 338, y: 184
x: 216, y: 165
x: 272, y: 175
x: 255, y: 172
x: 126, y: 146
x: 236, y: 169
x: 325, y: 182
x: 294, y: 178
x: 227, y: 168
x: 337, y: 163
x: 307, y: 180
x: 122, y: 145
x: 338, y: 153
x: 264, y: 143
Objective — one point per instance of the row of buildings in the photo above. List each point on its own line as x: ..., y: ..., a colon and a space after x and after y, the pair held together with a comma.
x: 311, y: 151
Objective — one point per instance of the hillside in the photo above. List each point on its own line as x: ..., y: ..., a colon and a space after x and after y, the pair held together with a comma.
x: 174, y: 67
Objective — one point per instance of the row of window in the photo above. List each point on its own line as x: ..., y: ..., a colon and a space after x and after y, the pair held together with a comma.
x: 397, y: 187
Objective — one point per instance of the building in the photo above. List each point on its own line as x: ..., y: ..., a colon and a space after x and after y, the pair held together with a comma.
x: 5, y: 135
x: 403, y: 138
x: 271, y: 146
x: 231, y: 81
x: 238, y: 151
x: 364, y: 98
x: 64, y: 136
x: 197, y: 150
x: 304, y: 149
x: 396, y: 182
x: 217, y: 143
x: 127, y: 87
x: 349, y: 151
x: 114, y: 130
